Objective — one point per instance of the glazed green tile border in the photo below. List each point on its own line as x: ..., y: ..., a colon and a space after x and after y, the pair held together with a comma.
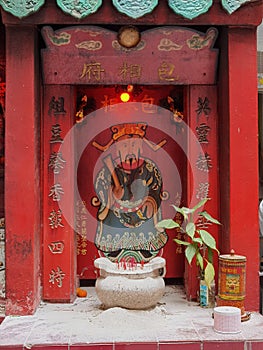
x: 21, y: 8
x: 232, y: 5
x: 135, y: 8
x: 80, y: 8
x: 131, y: 8
x: 190, y: 8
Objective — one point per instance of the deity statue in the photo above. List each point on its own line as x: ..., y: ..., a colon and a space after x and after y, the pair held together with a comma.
x: 129, y: 195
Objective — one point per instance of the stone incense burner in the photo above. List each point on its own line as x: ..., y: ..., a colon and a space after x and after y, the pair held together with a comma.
x: 130, y: 285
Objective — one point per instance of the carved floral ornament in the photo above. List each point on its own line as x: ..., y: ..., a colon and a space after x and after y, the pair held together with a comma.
x: 131, y: 8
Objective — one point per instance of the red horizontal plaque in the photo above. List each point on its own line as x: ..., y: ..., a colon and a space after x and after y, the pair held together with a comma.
x: 93, y: 55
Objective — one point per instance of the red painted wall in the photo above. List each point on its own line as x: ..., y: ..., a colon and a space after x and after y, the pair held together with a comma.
x: 237, y: 103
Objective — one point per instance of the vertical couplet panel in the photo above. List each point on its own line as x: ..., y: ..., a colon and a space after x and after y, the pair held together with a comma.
x: 203, y: 172
x: 59, y: 266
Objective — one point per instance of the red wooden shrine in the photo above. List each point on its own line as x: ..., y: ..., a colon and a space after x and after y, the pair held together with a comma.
x: 54, y: 77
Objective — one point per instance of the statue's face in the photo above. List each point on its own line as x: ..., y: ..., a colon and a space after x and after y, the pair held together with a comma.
x: 129, y: 149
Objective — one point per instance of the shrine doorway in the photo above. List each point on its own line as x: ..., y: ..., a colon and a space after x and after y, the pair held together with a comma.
x: 104, y: 106
x: 174, y: 113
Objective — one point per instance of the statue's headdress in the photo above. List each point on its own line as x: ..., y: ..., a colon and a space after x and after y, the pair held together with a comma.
x: 138, y: 129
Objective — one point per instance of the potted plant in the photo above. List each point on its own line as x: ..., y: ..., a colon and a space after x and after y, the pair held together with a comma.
x: 199, y: 243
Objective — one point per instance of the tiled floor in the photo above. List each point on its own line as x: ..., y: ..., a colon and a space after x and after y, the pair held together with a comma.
x: 173, y: 324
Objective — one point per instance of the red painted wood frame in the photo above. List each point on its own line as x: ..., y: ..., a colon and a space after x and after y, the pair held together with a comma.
x: 237, y: 106
x: 97, y: 69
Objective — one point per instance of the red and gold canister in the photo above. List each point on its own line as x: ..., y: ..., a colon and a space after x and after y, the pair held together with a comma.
x: 232, y: 281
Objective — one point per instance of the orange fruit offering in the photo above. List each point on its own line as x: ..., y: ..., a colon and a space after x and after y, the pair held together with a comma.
x: 82, y: 293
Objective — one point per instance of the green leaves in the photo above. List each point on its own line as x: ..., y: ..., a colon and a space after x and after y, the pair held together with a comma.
x: 199, y: 243
x: 178, y: 241
x: 200, y: 204
x: 209, y: 217
x: 207, y: 238
x: 200, y: 260
x: 167, y: 223
x: 190, y: 229
x: 190, y: 252
x: 181, y: 211
x: 209, y: 273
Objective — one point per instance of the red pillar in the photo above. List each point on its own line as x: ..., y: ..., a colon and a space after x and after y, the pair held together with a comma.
x: 239, y: 152
x: 22, y: 188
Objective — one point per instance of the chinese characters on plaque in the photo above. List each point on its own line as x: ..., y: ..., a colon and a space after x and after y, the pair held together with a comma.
x: 95, y: 72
